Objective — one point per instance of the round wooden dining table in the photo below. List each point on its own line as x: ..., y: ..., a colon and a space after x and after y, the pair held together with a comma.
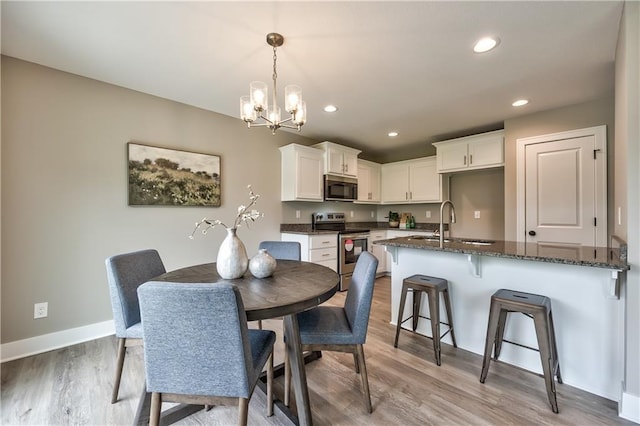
x: 294, y: 287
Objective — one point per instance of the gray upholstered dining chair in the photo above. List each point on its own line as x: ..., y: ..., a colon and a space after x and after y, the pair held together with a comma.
x: 343, y: 329
x: 286, y: 250
x: 125, y: 273
x: 198, y: 349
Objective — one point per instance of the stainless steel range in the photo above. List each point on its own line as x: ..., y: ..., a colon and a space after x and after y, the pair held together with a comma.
x: 351, y: 242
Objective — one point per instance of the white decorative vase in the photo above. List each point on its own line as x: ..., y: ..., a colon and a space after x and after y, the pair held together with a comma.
x: 232, y: 259
x: 262, y: 265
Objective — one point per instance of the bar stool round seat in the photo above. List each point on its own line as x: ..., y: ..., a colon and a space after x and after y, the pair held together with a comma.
x: 534, y: 306
x: 433, y: 287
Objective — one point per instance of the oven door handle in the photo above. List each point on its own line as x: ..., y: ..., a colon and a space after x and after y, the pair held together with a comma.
x: 354, y: 236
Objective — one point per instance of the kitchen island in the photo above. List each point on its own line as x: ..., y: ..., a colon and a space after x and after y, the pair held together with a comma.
x: 584, y: 285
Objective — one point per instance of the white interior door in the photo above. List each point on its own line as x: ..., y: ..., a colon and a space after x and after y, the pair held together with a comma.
x: 564, y: 190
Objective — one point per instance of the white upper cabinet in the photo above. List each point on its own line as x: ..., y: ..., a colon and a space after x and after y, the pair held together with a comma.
x: 412, y: 181
x: 368, y: 182
x: 301, y: 173
x: 474, y: 152
x: 339, y: 160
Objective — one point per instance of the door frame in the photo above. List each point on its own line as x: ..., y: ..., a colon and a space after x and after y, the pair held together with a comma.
x: 600, y: 135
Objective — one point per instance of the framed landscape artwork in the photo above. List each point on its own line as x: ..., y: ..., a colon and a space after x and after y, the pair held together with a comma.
x: 172, y: 177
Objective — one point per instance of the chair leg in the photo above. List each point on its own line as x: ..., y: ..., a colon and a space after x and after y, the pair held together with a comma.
x: 364, y: 377
x: 119, y: 365
x: 542, y: 333
x: 355, y: 360
x: 270, y: 386
x: 156, y: 407
x: 403, y: 299
x: 552, y: 333
x: 434, y: 313
x: 417, y: 298
x: 494, y: 313
x: 287, y: 379
x: 243, y: 411
x: 447, y: 305
x: 259, y: 324
x: 502, y: 322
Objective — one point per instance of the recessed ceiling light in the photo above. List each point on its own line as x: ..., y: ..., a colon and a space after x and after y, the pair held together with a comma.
x: 330, y: 108
x: 486, y: 44
x: 520, y: 102
x: 392, y: 134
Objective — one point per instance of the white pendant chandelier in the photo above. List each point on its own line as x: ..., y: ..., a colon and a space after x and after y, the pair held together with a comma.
x: 256, y: 105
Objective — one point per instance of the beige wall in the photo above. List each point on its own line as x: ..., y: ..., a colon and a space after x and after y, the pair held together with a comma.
x: 481, y: 191
x: 64, y: 190
x: 589, y: 114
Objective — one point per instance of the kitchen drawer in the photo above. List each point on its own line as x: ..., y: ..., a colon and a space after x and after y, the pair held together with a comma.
x: 378, y: 235
x: 320, y: 255
x: 323, y: 241
x: 329, y: 264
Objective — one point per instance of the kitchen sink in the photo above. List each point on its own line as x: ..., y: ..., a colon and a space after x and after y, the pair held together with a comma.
x: 447, y: 240
x: 477, y: 242
x: 425, y: 238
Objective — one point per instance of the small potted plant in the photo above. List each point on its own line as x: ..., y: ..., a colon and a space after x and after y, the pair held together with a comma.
x: 394, y: 219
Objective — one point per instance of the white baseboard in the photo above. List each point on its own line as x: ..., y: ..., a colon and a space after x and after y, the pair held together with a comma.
x: 60, y: 339
x: 630, y: 407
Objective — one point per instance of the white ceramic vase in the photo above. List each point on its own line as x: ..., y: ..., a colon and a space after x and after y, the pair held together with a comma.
x: 232, y: 259
x: 262, y: 265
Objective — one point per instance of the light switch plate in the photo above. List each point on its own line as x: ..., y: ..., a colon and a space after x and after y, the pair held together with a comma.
x: 476, y: 214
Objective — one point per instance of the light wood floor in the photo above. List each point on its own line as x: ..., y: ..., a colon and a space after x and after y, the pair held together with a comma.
x: 73, y: 386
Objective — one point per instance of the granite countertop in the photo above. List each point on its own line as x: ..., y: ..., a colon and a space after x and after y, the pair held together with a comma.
x: 307, y: 229
x: 600, y: 257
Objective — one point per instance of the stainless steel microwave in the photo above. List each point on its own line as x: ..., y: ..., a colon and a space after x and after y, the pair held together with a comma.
x: 338, y: 188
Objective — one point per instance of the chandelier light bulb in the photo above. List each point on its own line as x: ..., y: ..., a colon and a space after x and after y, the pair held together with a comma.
x: 258, y: 93
x: 274, y: 114
x: 247, y: 112
x: 292, y: 98
x: 300, y: 116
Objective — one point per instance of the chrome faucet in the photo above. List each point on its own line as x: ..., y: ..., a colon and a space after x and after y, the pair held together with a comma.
x: 453, y: 219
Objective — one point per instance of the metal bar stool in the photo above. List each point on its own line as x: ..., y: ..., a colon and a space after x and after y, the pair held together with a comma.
x: 433, y: 287
x: 536, y: 307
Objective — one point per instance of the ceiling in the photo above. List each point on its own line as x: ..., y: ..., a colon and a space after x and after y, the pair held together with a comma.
x: 403, y: 66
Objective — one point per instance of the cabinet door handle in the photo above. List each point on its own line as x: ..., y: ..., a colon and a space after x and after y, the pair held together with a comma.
x: 464, y: 161
x: 325, y: 255
x: 470, y: 159
x: 406, y: 195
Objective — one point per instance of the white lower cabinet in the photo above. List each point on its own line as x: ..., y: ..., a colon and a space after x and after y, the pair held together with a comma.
x: 321, y: 249
x: 378, y: 251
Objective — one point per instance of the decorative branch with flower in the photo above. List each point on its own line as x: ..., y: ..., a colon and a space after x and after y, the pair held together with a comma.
x: 245, y: 215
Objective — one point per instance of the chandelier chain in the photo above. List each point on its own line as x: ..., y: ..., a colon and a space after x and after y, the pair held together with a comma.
x: 275, y: 76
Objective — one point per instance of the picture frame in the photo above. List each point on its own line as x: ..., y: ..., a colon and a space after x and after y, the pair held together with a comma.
x: 160, y: 176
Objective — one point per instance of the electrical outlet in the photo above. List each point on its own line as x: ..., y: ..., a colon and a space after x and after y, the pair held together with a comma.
x: 297, y: 214
x: 40, y: 310
x: 428, y: 214
x: 351, y: 213
x: 476, y: 214
x: 372, y: 215
x: 619, y: 215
